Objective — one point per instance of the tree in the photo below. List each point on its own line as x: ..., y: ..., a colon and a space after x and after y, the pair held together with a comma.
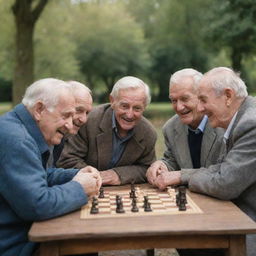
x: 26, y: 13
x: 176, y: 42
x: 232, y: 25
x: 111, y: 44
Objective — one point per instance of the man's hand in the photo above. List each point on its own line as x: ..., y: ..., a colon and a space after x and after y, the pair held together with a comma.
x: 90, y: 180
x: 154, y: 170
x: 109, y: 177
x: 168, y: 178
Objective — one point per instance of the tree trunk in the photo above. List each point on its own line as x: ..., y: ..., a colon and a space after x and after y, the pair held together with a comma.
x: 24, y: 66
x: 25, y: 19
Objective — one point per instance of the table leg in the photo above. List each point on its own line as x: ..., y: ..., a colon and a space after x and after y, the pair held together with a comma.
x: 49, y: 249
x: 237, y: 246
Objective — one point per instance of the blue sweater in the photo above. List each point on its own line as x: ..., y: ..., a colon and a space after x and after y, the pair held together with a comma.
x: 28, y: 191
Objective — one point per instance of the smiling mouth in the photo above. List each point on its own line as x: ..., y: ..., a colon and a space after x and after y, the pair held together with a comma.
x: 185, y: 113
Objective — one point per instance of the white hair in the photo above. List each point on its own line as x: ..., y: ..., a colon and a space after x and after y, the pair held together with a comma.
x: 78, y: 87
x: 179, y: 76
x: 47, y: 90
x: 128, y: 82
x: 223, y: 77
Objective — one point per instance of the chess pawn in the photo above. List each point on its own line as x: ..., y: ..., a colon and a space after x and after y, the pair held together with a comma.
x: 147, y: 207
x: 101, y: 195
x: 134, y: 207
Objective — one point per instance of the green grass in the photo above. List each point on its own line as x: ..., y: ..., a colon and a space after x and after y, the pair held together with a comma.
x: 4, y: 107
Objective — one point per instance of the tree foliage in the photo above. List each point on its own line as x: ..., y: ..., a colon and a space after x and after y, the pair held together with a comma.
x: 110, y: 44
x: 232, y: 25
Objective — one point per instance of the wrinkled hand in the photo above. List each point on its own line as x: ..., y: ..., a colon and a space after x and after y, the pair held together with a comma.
x: 109, y: 177
x: 154, y: 170
x: 90, y: 180
x: 165, y: 179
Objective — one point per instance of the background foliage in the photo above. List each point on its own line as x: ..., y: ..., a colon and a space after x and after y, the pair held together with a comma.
x: 99, y: 41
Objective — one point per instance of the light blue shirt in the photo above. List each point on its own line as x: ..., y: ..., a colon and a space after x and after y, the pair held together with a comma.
x: 201, y: 126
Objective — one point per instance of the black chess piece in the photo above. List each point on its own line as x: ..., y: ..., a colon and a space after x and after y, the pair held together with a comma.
x: 101, y: 195
x: 147, y: 207
x: 134, y: 206
x: 119, y: 205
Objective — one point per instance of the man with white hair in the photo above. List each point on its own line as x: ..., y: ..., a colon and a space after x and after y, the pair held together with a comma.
x: 190, y: 140
x: 224, y: 99
x: 117, y: 139
x: 28, y: 190
x: 83, y: 105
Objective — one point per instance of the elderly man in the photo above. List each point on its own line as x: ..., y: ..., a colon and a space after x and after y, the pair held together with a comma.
x: 224, y: 99
x: 117, y: 139
x: 83, y: 105
x: 28, y: 190
x: 190, y: 140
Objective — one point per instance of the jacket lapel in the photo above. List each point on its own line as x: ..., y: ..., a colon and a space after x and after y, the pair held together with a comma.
x: 182, y: 146
x: 209, y: 138
x: 104, y: 141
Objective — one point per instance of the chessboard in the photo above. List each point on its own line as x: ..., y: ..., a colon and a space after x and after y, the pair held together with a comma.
x: 138, y: 200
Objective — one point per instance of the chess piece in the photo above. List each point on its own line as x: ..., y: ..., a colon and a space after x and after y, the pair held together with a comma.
x: 101, y: 195
x: 147, y: 207
x: 134, y: 206
x: 94, y: 208
x: 119, y: 205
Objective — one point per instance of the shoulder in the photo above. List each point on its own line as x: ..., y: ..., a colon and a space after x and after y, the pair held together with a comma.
x: 144, y: 129
x: 173, y: 123
x: 99, y: 111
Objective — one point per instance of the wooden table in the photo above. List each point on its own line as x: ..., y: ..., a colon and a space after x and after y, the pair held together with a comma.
x: 221, y: 225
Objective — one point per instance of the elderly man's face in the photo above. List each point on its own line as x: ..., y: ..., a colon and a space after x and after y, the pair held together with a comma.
x: 128, y: 108
x: 83, y: 105
x: 213, y: 105
x: 54, y: 125
x: 184, y: 101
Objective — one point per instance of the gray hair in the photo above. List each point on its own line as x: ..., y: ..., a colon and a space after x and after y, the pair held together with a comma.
x: 128, y: 82
x: 223, y: 77
x: 46, y: 90
x: 77, y: 87
x: 180, y: 75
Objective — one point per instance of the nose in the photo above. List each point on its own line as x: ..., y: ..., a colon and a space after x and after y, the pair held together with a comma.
x: 179, y: 106
x: 200, y: 107
x: 129, y: 113
x: 69, y: 123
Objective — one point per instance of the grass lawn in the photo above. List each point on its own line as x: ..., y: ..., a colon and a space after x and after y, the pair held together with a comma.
x: 4, y: 107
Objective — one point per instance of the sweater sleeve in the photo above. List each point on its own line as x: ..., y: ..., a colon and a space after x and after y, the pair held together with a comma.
x: 30, y: 191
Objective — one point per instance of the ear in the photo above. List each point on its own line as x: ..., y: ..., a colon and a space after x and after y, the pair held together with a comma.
x: 111, y: 100
x: 38, y: 109
x: 229, y: 94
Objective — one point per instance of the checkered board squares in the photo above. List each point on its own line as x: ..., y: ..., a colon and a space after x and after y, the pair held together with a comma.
x: 162, y: 203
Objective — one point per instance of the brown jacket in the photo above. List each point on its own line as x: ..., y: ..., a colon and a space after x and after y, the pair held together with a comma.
x: 93, y: 145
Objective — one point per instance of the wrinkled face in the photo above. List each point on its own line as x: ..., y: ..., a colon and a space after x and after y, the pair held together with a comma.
x: 128, y: 108
x: 184, y: 101
x: 83, y: 105
x: 213, y: 105
x: 54, y: 125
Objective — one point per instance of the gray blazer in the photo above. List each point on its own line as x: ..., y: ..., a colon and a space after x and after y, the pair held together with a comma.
x: 177, y: 154
x: 93, y: 146
x: 234, y: 177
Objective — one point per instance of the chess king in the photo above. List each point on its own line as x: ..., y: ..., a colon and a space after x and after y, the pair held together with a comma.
x: 117, y: 139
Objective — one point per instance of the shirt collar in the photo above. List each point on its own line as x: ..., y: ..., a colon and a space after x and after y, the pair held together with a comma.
x: 227, y: 132
x: 114, y: 127
x: 31, y: 127
x: 201, y: 126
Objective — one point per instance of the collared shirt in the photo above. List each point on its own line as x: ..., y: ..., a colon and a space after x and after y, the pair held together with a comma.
x: 118, y: 143
x: 201, y: 126
x: 227, y: 132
